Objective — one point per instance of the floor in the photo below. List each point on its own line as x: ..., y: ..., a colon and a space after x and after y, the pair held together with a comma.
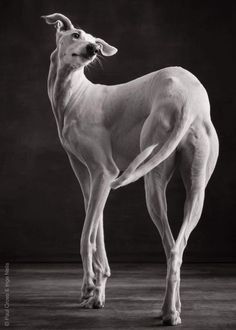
x: 46, y: 296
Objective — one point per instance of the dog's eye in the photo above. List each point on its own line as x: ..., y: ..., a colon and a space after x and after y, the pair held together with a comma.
x: 76, y: 35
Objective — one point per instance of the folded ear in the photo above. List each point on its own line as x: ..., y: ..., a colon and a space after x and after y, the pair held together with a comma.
x: 106, y: 49
x: 60, y: 21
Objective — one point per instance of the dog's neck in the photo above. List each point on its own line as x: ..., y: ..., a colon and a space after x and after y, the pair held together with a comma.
x: 64, y: 82
x: 69, y: 80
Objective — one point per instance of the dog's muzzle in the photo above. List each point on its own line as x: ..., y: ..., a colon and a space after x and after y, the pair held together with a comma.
x: 91, y: 50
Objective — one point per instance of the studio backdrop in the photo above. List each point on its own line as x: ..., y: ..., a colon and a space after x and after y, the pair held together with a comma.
x: 41, y: 204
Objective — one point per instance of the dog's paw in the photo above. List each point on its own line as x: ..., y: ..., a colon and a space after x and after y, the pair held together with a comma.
x: 92, y: 302
x: 87, y: 289
x: 171, y: 319
x: 96, y: 301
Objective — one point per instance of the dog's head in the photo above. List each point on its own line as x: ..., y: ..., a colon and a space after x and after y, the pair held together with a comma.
x: 75, y: 46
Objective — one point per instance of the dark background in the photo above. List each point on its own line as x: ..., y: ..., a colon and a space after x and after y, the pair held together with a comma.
x: 41, y: 205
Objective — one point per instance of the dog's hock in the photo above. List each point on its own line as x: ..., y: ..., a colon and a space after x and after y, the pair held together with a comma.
x: 106, y: 49
x: 60, y: 21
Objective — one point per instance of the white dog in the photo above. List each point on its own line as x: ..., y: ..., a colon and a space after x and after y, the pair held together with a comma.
x: 146, y: 127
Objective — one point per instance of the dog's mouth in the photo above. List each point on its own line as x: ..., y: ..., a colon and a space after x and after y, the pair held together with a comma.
x: 88, y: 56
x: 84, y: 56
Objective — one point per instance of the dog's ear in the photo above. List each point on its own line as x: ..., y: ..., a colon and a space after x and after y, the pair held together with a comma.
x: 61, y: 22
x: 106, y: 49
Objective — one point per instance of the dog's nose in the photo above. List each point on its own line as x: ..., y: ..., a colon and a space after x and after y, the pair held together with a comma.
x: 91, y: 49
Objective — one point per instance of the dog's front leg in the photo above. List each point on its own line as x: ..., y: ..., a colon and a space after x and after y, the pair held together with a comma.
x: 92, y: 246
x: 100, y: 262
x: 82, y: 174
x: 100, y: 266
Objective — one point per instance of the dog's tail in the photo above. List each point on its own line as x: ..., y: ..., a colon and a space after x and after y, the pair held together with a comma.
x: 136, y: 169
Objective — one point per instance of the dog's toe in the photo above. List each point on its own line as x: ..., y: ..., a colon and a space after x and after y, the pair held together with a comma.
x: 172, y: 319
x: 92, y: 302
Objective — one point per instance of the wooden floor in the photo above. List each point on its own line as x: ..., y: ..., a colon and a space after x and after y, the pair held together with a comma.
x: 46, y: 296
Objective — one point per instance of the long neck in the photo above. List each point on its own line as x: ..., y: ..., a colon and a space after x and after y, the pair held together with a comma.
x: 68, y: 81
x: 64, y: 82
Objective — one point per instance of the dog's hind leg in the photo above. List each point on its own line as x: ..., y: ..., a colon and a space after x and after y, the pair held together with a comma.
x: 155, y: 188
x: 198, y: 155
